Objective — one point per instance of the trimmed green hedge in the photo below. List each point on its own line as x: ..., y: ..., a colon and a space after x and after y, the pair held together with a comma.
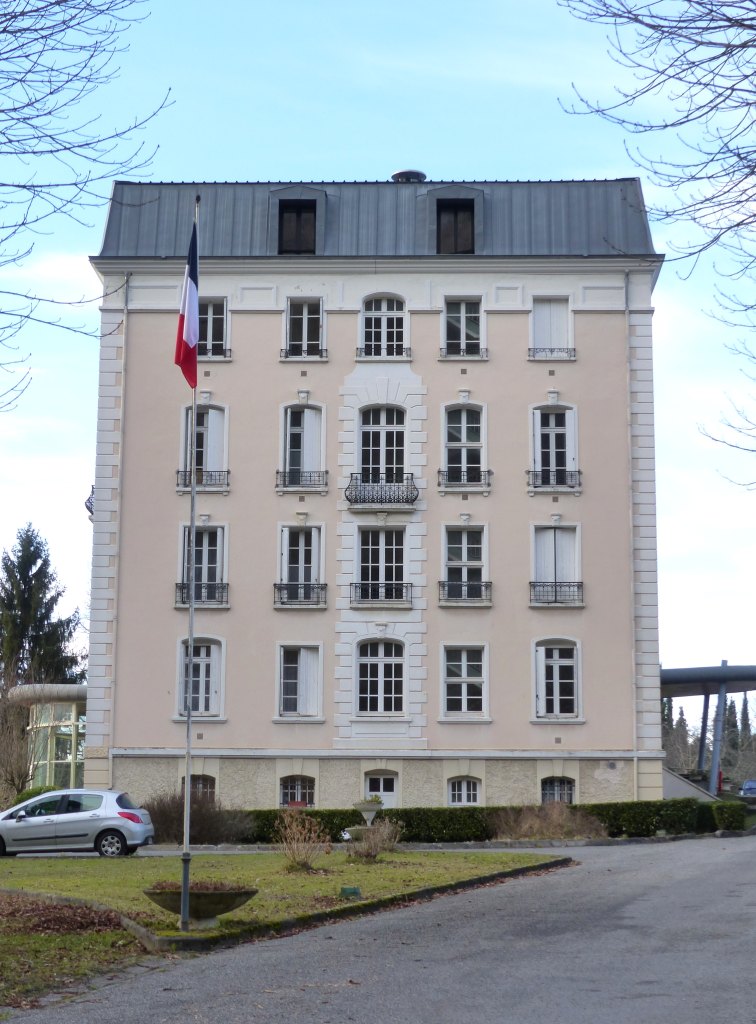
x: 29, y: 794
x: 730, y: 815
x: 442, y: 824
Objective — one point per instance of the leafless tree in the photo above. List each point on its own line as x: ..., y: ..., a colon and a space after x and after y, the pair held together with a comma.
x: 56, y: 154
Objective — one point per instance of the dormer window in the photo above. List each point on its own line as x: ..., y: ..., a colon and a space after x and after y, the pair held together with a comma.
x: 296, y: 227
x: 455, y: 226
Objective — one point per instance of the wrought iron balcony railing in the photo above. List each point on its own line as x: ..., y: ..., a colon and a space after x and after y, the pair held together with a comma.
x: 312, y: 595
x: 369, y: 488
x: 376, y: 352
x: 551, y: 353
x: 464, y: 477
x: 298, y: 351
x: 556, y: 593
x: 376, y: 593
x: 471, y: 350
x: 548, y: 478
x: 212, y: 351
x: 204, y: 593
x: 203, y: 477
x: 301, y: 478
x: 469, y: 593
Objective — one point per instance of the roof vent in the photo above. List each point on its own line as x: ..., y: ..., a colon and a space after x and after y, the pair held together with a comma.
x: 404, y: 176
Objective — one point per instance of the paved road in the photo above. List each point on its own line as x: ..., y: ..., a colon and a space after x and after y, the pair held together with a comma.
x: 651, y: 934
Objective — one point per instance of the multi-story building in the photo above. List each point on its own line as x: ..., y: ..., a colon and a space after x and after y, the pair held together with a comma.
x: 425, y: 550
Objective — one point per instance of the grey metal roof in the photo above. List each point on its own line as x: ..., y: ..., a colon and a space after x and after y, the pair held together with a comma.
x: 389, y: 219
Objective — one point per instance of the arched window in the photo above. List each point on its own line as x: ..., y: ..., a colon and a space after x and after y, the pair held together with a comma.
x: 380, y: 683
x: 297, y: 791
x: 210, y: 460
x: 202, y: 787
x: 463, y: 791
x: 202, y: 677
x: 464, y: 449
x: 557, y: 789
x: 383, y: 329
x: 302, y: 449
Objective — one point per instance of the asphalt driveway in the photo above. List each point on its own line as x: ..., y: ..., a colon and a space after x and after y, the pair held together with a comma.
x: 634, y: 934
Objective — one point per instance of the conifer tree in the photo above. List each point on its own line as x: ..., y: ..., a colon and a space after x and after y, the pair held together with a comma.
x: 746, y: 737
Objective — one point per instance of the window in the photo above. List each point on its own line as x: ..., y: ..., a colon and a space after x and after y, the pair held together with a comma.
x: 299, y: 682
x: 209, y: 587
x: 381, y: 568
x: 297, y: 791
x: 209, y: 449
x: 462, y: 329
x: 382, y: 785
x: 551, y: 330
x: 304, y: 330
x: 556, y: 679
x: 303, y: 449
x: 296, y: 227
x: 300, y: 568
x: 381, y: 479
x: 201, y: 678
x: 212, y: 330
x: 557, y: 789
x: 383, y: 329
x: 202, y: 787
x: 464, y: 567
x: 464, y: 449
x: 380, y: 685
x: 455, y: 226
x: 555, y: 558
x: 463, y: 681
x: 554, y: 449
x: 463, y: 792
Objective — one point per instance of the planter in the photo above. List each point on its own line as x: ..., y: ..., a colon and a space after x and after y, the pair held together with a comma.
x: 204, y: 906
x: 368, y: 809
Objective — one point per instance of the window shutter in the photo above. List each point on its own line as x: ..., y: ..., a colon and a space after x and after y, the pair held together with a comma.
x: 215, y: 440
x: 283, y: 574
x: 315, y: 578
x: 215, y: 669
x: 311, y: 452
x: 565, y: 551
x: 536, y: 439
x: 545, y: 561
x: 308, y: 680
x: 570, y: 423
x: 540, y: 679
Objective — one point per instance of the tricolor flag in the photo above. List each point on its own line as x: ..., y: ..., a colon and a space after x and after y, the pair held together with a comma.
x: 187, y: 335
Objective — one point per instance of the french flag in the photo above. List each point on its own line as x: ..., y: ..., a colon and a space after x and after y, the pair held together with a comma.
x: 187, y: 335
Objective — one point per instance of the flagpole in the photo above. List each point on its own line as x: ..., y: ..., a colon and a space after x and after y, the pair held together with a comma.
x: 186, y: 856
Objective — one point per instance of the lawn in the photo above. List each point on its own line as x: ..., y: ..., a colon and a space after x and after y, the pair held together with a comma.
x: 54, y: 948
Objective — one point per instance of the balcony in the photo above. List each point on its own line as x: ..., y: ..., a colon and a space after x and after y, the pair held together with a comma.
x: 456, y: 479
x: 217, y: 479
x: 472, y: 350
x: 556, y: 593
x: 368, y: 489
x: 567, y: 354
x: 399, y: 352
x: 381, y: 593
x: 214, y: 351
x: 204, y: 594
x: 298, y: 351
x: 554, y: 480
x: 457, y: 592
x: 299, y: 595
x: 301, y: 479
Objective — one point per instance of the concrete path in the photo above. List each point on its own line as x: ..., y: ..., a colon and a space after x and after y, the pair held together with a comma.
x: 649, y: 934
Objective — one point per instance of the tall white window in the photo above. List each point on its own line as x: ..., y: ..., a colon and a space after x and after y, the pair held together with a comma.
x: 463, y: 681
x: 551, y: 330
x: 201, y: 677
x: 380, y: 677
x: 299, y: 682
x: 383, y: 329
x: 302, y: 449
x: 464, y: 566
x: 462, y: 329
x: 554, y: 449
x: 381, y: 567
x: 382, y: 445
x: 557, y: 679
x: 556, y: 566
x: 464, y: 792
x: 300, y: 567
x: 304, y: 336
x: 463, y: 446
x: 211, y: 469
x: 209, y: 584
x: 212, y: 330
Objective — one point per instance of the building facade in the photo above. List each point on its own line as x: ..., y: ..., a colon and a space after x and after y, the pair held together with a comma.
x: 425, y: 561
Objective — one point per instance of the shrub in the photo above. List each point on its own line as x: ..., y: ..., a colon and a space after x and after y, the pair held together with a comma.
x: 441, y: 824
x: 209, y: 823
x: 301, y: 837
x: 261, y: 825
x: 546, y: 821
x: 730, y: 815
x: 381, y: 837
x: 29, y: 794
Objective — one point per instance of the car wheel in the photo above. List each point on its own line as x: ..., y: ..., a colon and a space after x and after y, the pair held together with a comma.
x: 111, y: 844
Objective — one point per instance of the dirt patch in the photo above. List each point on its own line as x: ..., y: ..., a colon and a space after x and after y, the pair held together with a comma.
x: 26, y: 915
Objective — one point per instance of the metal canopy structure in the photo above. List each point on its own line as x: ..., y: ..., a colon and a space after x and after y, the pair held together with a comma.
x: 703, y: 682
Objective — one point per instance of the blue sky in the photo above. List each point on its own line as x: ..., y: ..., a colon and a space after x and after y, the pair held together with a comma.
x: 351, y: 91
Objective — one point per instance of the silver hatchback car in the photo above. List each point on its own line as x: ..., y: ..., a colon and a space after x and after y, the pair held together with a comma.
x: 76, y: 819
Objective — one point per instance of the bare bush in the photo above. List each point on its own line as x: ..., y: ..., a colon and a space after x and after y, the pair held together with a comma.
x: 209, y: 823
x: 302, y: 839
x: 547, y: 821
x: 381, y: 837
